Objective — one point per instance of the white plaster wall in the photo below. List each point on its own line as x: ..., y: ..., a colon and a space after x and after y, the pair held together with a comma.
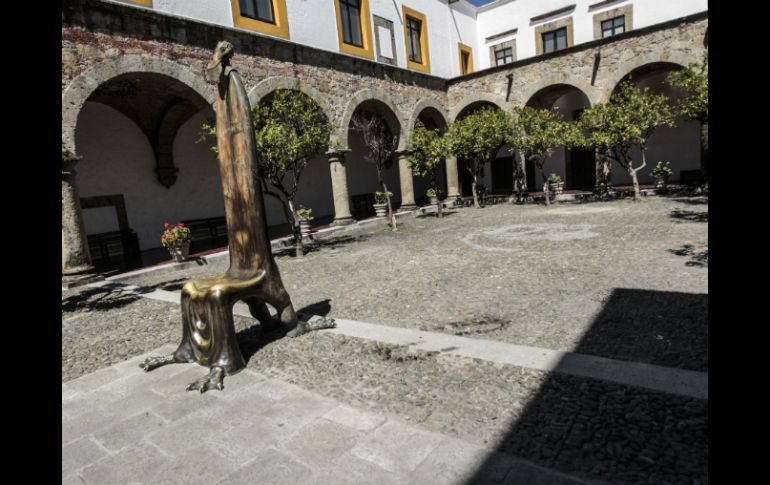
x: 314, y: 23
x: 118, y: 159
x: 315, y: 187
x: 213, y: 11
x: 505, y: 15
x: 462, y: 28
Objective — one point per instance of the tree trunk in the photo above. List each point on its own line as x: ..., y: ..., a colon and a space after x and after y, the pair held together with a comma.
x: 635, y: 181
x: 546, y: 191
x: 293, y: 218
x: 475, y: 197
x: 519, y: 176
x: 440, y: 205
x: 392, y: 216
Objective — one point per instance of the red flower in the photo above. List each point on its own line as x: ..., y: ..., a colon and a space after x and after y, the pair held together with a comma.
x: 181, y: 224
x: 166, y: 225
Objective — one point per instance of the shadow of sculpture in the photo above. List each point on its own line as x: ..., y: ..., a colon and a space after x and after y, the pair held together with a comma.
x: 111, y: 296
x: 699, y: 259
x: 690, y: 216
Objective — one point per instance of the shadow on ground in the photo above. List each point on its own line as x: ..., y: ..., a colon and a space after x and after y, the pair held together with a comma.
x: 596, y: 430
x: 112, y: 296
x: 254, y: 338
x: 690, y: 216
x: 700, y: 259
x: 321, y: 244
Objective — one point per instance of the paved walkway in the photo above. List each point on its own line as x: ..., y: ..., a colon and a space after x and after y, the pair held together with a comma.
x: 121, y: 425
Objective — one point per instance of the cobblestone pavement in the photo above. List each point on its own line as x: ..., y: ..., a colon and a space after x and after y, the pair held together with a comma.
x: 618, y: 279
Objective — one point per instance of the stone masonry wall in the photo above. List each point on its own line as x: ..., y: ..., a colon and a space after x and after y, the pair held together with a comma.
x: 680, y: 42
x: 101, y: 40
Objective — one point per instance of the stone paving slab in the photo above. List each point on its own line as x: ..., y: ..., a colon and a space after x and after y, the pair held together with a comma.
x: 257, y: 430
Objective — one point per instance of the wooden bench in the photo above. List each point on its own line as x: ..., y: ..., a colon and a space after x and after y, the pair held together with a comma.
x: 207, y: 233
x: 106, y: 246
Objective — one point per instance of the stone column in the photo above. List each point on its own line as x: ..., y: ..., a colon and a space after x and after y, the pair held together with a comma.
x: 407, y: 182
x: 452, y: 178
x: 76, y: 267
x: 603, y: 186
x: 338, y: 171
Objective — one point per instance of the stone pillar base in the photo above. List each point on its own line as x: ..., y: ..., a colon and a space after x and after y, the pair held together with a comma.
x: 79, y: 278
x: 407, y: 207
x: 342, y: 222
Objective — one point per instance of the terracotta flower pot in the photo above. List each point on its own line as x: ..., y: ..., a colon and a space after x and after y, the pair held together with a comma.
x: 304, y: 226
x: 180, y: 253
x: 434, y: 200
x: 381, y: 209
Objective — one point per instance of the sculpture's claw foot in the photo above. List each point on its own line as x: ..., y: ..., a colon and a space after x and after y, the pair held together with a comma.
x: 209, y: 382
x: 151, y: 363
x: 312, y: 324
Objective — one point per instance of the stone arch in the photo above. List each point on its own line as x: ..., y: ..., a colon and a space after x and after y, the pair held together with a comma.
x: 418, y: 109
x: 591, y: 92
x: 268, y: 85
x: 668, y: 57
x: 358, y: 98
x: 81, y: 88
x: 497, y: 100
x: 559, y: 90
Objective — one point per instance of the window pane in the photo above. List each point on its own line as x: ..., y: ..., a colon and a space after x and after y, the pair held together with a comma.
x: 355, y: 28
x: 561, y: 39
x: 548, y: 42
x: 257, y: 9
x: 350, y: 16
x: 265, y: 10
x: 414, y: 26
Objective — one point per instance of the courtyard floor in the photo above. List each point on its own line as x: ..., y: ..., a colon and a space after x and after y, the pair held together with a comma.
x: 620, y: 280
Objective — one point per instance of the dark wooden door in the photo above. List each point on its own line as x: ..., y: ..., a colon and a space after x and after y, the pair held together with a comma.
x: 502, y: 175
x: 582, y: 169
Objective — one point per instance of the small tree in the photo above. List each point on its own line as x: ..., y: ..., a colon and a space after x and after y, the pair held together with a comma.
x: 289, y: 130
x: 476, y: 138
x: 427, y: 150
x: 537, y: 132
x: 695, y: 106
x: 380, y: 143
x: 628, y: 120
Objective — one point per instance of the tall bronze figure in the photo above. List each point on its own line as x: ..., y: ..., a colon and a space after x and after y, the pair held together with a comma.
x: 207, y: 304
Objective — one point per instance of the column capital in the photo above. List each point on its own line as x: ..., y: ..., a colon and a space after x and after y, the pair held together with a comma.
x: 337, y: 154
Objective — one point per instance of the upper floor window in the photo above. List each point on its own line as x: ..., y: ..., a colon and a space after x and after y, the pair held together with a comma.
x: 555, y: 40
x: 265, y: 16
x: 413, y: 28
x: 503, y: 56
x: 614, y: 26
x: 466, y: 58
x: 258, y: 10
x: 350, y: 13
x: 354, y: 27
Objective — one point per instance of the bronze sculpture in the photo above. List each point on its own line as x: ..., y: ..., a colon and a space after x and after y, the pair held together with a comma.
x: 208, y: 335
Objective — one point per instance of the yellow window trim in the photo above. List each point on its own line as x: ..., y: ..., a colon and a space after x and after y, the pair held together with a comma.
x: 279, y: 29
x: 469, y: 50
x: 425, y: 53
x: 366, y: 32
x: 146, y: 3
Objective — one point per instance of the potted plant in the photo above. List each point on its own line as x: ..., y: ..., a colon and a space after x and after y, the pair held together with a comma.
x: 555, y: 184
x: 661, y: 173
x: 381, y: 203
x: 177, y: 240
x: 433, y: 194
x: 305, y: 215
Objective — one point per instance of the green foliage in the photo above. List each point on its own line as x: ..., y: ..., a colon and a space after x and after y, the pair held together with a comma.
x: 427, y: 149
x: 537, y: 132
x: 661, y: 170
x: 477, y: 137
x: 289, y: 130
x: 628, y: 120
x: 304, y: 213
x: 694, y: 80
x: 553, y: 178
x: 175, y: 236
x: 380, y: 198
